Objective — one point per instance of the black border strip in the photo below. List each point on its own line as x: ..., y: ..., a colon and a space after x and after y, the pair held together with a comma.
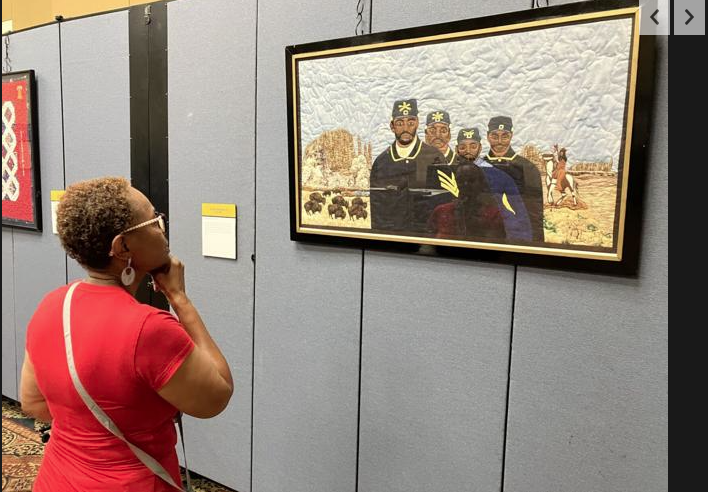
x: 361, y: 351
x: 139, y: 100
x: 671, y: 17
x: 508, y: 380
x: 361, y: 329
x: 63, y: 143
x: 149, y: 170
x: 158, y: 143
x: 255, y: 249
x: 18, y: 369
x: 138, y: 42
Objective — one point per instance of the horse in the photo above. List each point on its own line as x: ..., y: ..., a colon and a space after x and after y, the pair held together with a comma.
x: 567, y: 181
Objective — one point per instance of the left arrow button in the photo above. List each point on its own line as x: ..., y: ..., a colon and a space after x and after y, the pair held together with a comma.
x: 653, y: 17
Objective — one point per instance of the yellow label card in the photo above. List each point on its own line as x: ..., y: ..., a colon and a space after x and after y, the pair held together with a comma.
x: 219, y: 210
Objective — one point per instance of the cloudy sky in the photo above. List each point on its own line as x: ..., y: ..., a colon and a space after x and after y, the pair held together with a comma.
x: 566, y: 85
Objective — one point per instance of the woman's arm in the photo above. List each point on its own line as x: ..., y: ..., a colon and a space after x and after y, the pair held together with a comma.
x: 31, y: 399
x: 203, y: 384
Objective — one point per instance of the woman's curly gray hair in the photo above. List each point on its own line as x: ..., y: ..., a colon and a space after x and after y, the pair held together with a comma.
x: 90, y: 214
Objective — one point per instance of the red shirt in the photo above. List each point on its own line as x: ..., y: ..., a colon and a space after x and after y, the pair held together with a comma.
x: 124, y: 352
x: 487, y: 222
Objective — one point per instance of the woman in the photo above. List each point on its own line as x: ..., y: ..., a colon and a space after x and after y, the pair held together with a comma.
x: 138, y: 363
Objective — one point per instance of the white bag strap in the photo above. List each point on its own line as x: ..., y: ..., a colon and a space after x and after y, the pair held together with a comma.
x: 100, y: 415
x: 184, y: 453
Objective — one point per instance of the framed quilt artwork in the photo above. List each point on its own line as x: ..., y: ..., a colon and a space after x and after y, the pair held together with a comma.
x: 21, y: 198
x: 507, y: 138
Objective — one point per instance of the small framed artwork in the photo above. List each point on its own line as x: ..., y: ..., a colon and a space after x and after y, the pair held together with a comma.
x: 508, y: 138
x: 21, y: 190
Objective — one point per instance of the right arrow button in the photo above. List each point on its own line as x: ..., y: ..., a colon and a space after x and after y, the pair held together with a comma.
x: 690, y: 16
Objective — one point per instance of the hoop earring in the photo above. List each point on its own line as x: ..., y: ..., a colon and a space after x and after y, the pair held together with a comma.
x: 127, y: 276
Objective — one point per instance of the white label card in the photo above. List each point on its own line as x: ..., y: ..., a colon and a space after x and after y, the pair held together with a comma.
x: 219, y: 237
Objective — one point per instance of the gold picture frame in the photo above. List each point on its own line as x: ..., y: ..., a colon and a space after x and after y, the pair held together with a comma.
x: 549, y: 100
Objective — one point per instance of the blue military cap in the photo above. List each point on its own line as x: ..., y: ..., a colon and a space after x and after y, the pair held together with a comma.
x: 438, y: 116
x: 501, y: 123
x: 405, y: 107
x: 469, y: 134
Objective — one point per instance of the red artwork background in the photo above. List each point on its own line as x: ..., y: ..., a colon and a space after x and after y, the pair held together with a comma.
x: 17, y: 92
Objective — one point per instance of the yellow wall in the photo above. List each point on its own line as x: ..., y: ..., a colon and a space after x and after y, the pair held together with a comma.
x: 76, y: 8
x: 6, y: 10
x: 28, y: 13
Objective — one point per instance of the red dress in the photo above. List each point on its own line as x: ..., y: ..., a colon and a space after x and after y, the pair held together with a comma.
x: 124, y: 352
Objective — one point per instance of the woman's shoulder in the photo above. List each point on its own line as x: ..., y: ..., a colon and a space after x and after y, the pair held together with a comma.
x: 54, y: 296
x: 148, y: 317
x: 157, y: 318
x: 48, y: 312
x: 89, y: 297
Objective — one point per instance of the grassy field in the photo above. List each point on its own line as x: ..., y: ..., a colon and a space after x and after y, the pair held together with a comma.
x: 591, y: 222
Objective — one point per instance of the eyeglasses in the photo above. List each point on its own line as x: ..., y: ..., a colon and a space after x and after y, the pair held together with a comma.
x: 160, y: 219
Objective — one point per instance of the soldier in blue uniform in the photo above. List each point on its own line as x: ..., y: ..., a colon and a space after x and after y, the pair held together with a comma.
x: 509, y: 201
x: 399, y: 173
x: 524, y: 173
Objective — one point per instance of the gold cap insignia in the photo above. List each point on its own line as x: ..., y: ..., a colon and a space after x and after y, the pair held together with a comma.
x: 404, y: 108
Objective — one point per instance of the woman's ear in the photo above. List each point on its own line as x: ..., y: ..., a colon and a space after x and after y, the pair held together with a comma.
x: 119, y: 249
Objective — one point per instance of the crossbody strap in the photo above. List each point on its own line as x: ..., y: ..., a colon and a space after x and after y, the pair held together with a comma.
x: 100, y: 415
x: 184, y: 452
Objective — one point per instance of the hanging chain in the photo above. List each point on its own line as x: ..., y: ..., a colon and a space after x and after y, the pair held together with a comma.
x: 359, y: 29
x: 6, y: 67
